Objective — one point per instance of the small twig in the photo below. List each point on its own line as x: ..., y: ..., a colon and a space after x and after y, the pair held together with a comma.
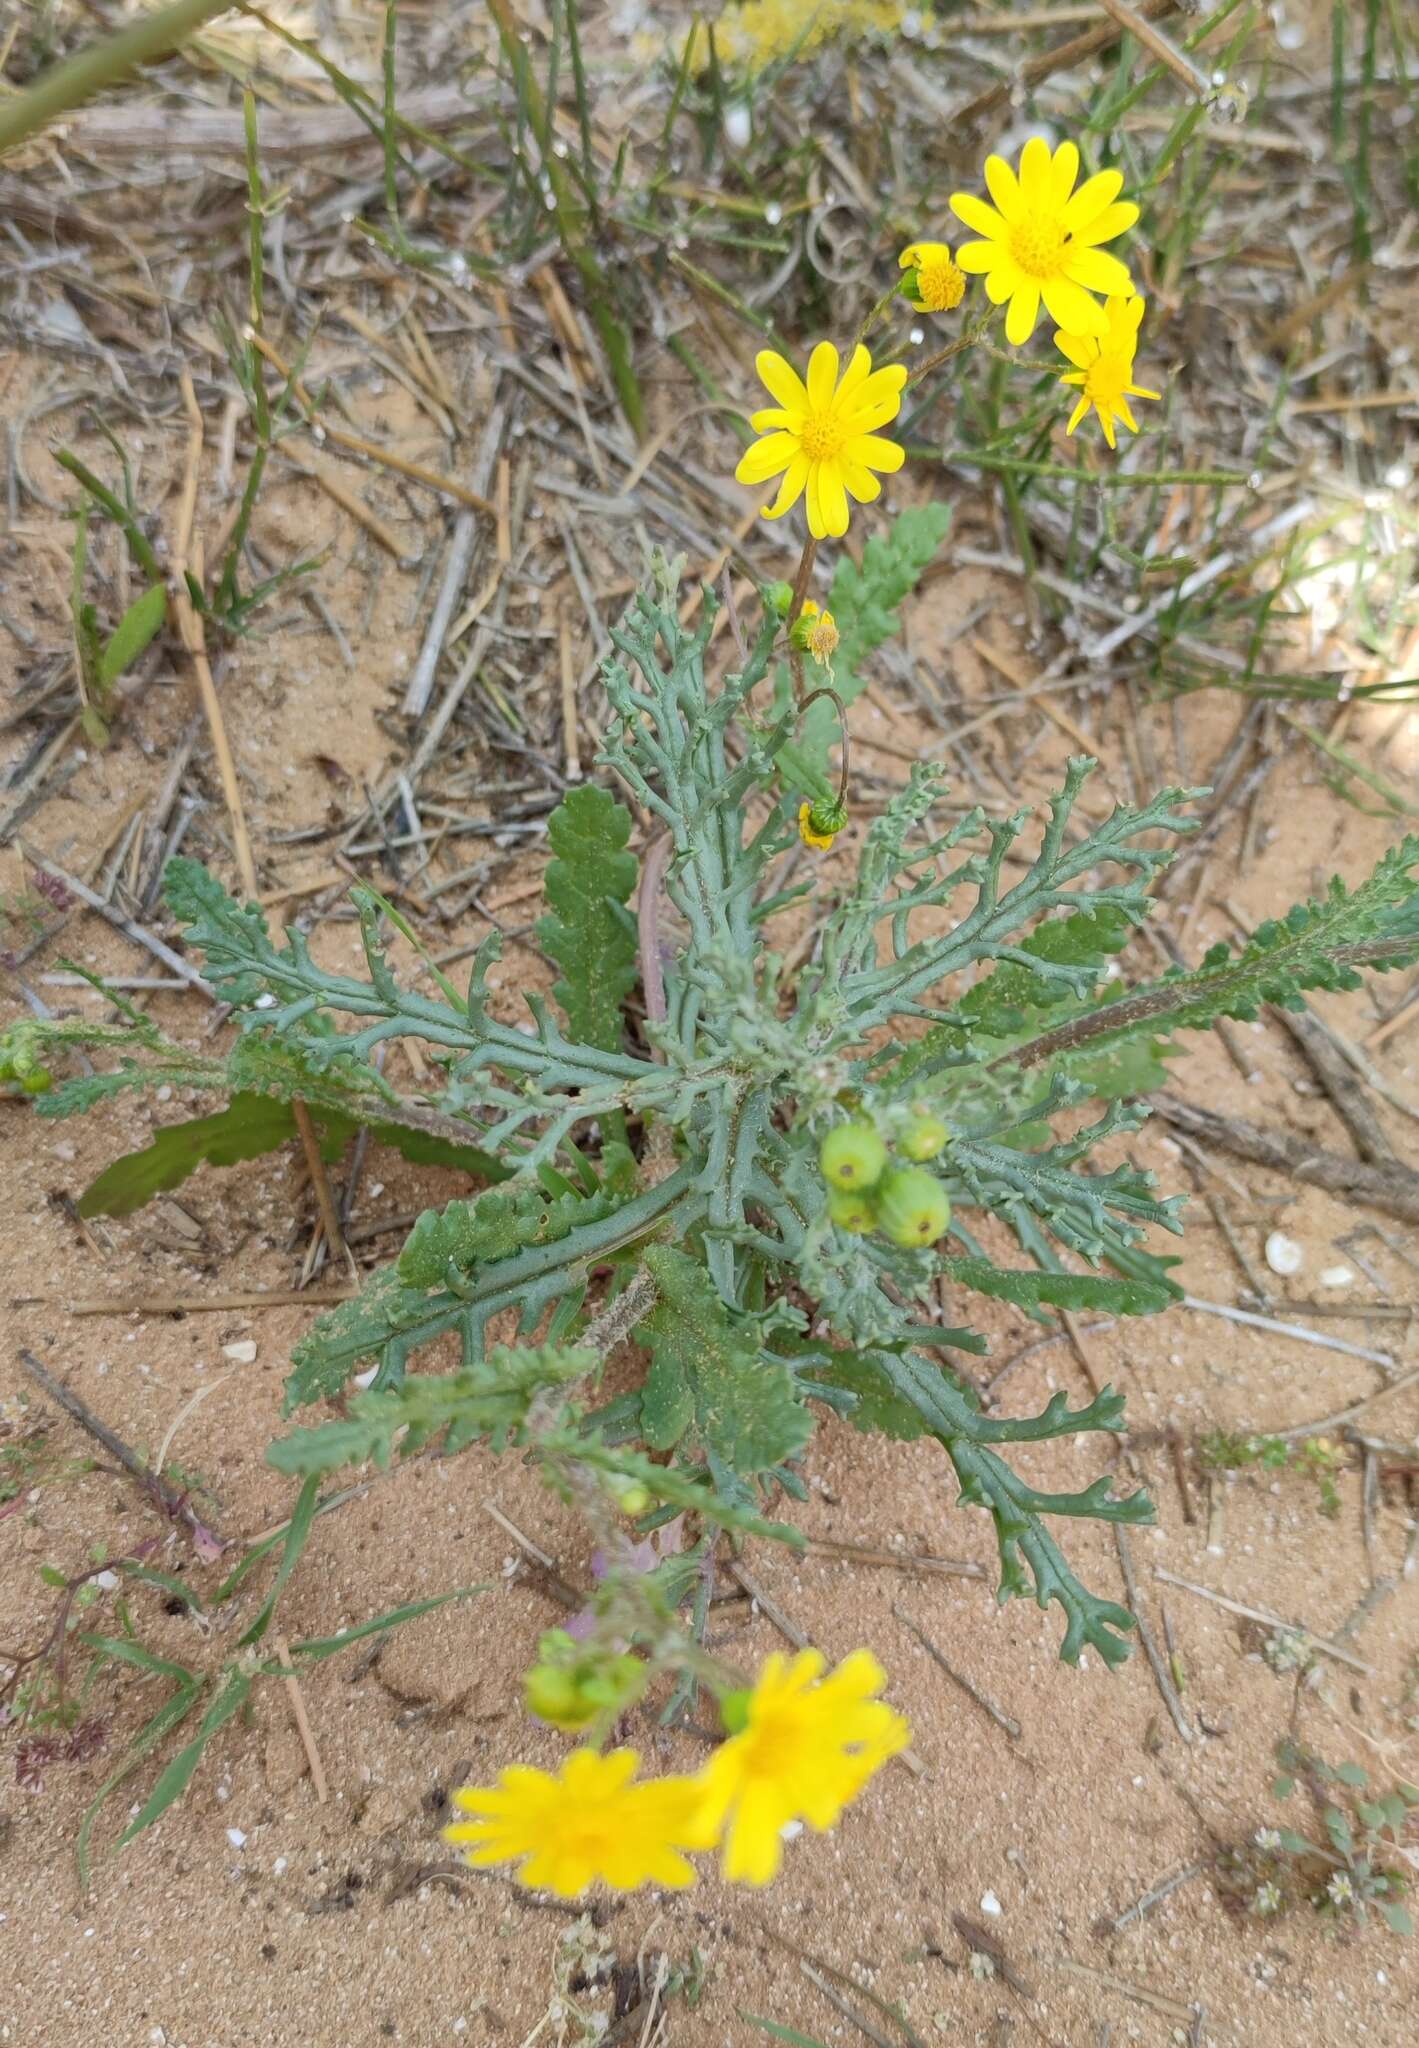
x: 1162, y: 47
x: 302, y: 1720
x: 1291, y: 1628
x: 983, y: 1700
x: 1343, y: 1415
x: 1302, y: 1336
x: 1150, y: 1648
x: 173, y: 1504
x: 1153, y: 1898
x: 320, y: 1181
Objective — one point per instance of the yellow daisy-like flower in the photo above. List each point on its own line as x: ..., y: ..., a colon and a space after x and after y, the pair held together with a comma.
x: 936, y: 285
x: 808, y: 1746
x: 1042, y: 239
x: 821, y: 435
x: 590, y: 1822
x: 1103, y: 368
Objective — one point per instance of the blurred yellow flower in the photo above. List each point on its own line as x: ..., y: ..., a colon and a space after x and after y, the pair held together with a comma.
x: 820, y: 435
x: 807, y: 1747
x: 1041, y: 239
x: 934, y: 284
x: 590, y: 1822
x: 1103, y: 368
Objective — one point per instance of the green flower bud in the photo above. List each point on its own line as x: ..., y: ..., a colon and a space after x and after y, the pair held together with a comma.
x: 38, y: 1081
x: 778, y: 597
x: 633, y: 1499
x: 552, y: 1694
x: 734, y: 1710
x: 924, y: 1137
x: 852, y: 1156
x: 851, y: 1211
x: 912, y: 1206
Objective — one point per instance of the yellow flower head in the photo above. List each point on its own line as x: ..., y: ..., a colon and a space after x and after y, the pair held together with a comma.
x: 820, y: 436
x: 1042, y: 239
x: 808, y: 1746
x: 589, y: 1822
x: 1103, y: 368
x: 815, y: 632
x: 934, y: 283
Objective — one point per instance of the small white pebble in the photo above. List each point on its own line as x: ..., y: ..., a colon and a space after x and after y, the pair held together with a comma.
x: 236, y: 1837
x: 243, y: 1352
x: 1283, y: 1254
x: 991, y: 1904
x: 108, y: 1580
x: 280, y: 1866
x: 790, y: 1830
x: 365, y: 1379
x: 1337, y: 1276
x: 738, y: 125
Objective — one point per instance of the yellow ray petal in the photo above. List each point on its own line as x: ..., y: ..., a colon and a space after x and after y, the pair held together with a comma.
x: 1096, y: 271
x: 1080, y: 349
x: 1114, y: 220
x: 980, y: 258
x: 822, y: 376
x: 1035, y: 169
x: 790, y: 490
x: 1004, y: 188
x: 1023, y: 313
x: 832, y: 497
x: 976, y: 214
x: 1072, y: 307
x: 1064, y: 169
x: 766, y: 458
x: 1093, y: 196
x: 874, y: 451
x: 781, y: 379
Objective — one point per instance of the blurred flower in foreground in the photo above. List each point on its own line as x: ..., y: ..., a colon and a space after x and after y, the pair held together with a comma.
x: 589, y: 1822
x: 805, y: 1747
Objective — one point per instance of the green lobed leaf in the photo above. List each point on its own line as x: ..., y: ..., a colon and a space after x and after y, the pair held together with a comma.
x: 248, y: 1128
x: 1119, y: 1296
x: 585, y: 931
x: 487, y: 1399
x: 709, y: 1380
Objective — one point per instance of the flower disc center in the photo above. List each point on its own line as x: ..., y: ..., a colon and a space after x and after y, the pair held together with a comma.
x: 822, y: 437
x: 1038, y: 247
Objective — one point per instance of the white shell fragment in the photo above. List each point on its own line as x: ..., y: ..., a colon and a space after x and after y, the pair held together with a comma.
x: 1283, y: 1254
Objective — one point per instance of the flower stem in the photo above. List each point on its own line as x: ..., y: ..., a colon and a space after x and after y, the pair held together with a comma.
x: 841, y: 708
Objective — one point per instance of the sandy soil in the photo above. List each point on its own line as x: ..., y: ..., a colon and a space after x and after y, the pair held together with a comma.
x: 255, y: 1912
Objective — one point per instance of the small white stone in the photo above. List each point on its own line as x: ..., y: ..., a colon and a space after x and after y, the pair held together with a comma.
x: 738, y: 125
x: 1337, y: 1276
x: 280, y: 1866
x: 243, y: 1352
x: 365, y: 1379
x: 108, y: 1580
x: 791, y: 1830
x: 1283, y: 1254
x: 991, y: 1904
x: 236, y: 1837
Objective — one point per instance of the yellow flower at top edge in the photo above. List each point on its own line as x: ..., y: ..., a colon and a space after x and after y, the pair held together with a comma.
x: 1103, y: 368
x: 820, y: 435
x: 807, y: 1747
x: 1041, y: 239
x: 934, y: 283
x: 589, y: 1822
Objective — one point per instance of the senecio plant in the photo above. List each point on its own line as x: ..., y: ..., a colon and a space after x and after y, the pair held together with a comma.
x: 770, y: 1184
